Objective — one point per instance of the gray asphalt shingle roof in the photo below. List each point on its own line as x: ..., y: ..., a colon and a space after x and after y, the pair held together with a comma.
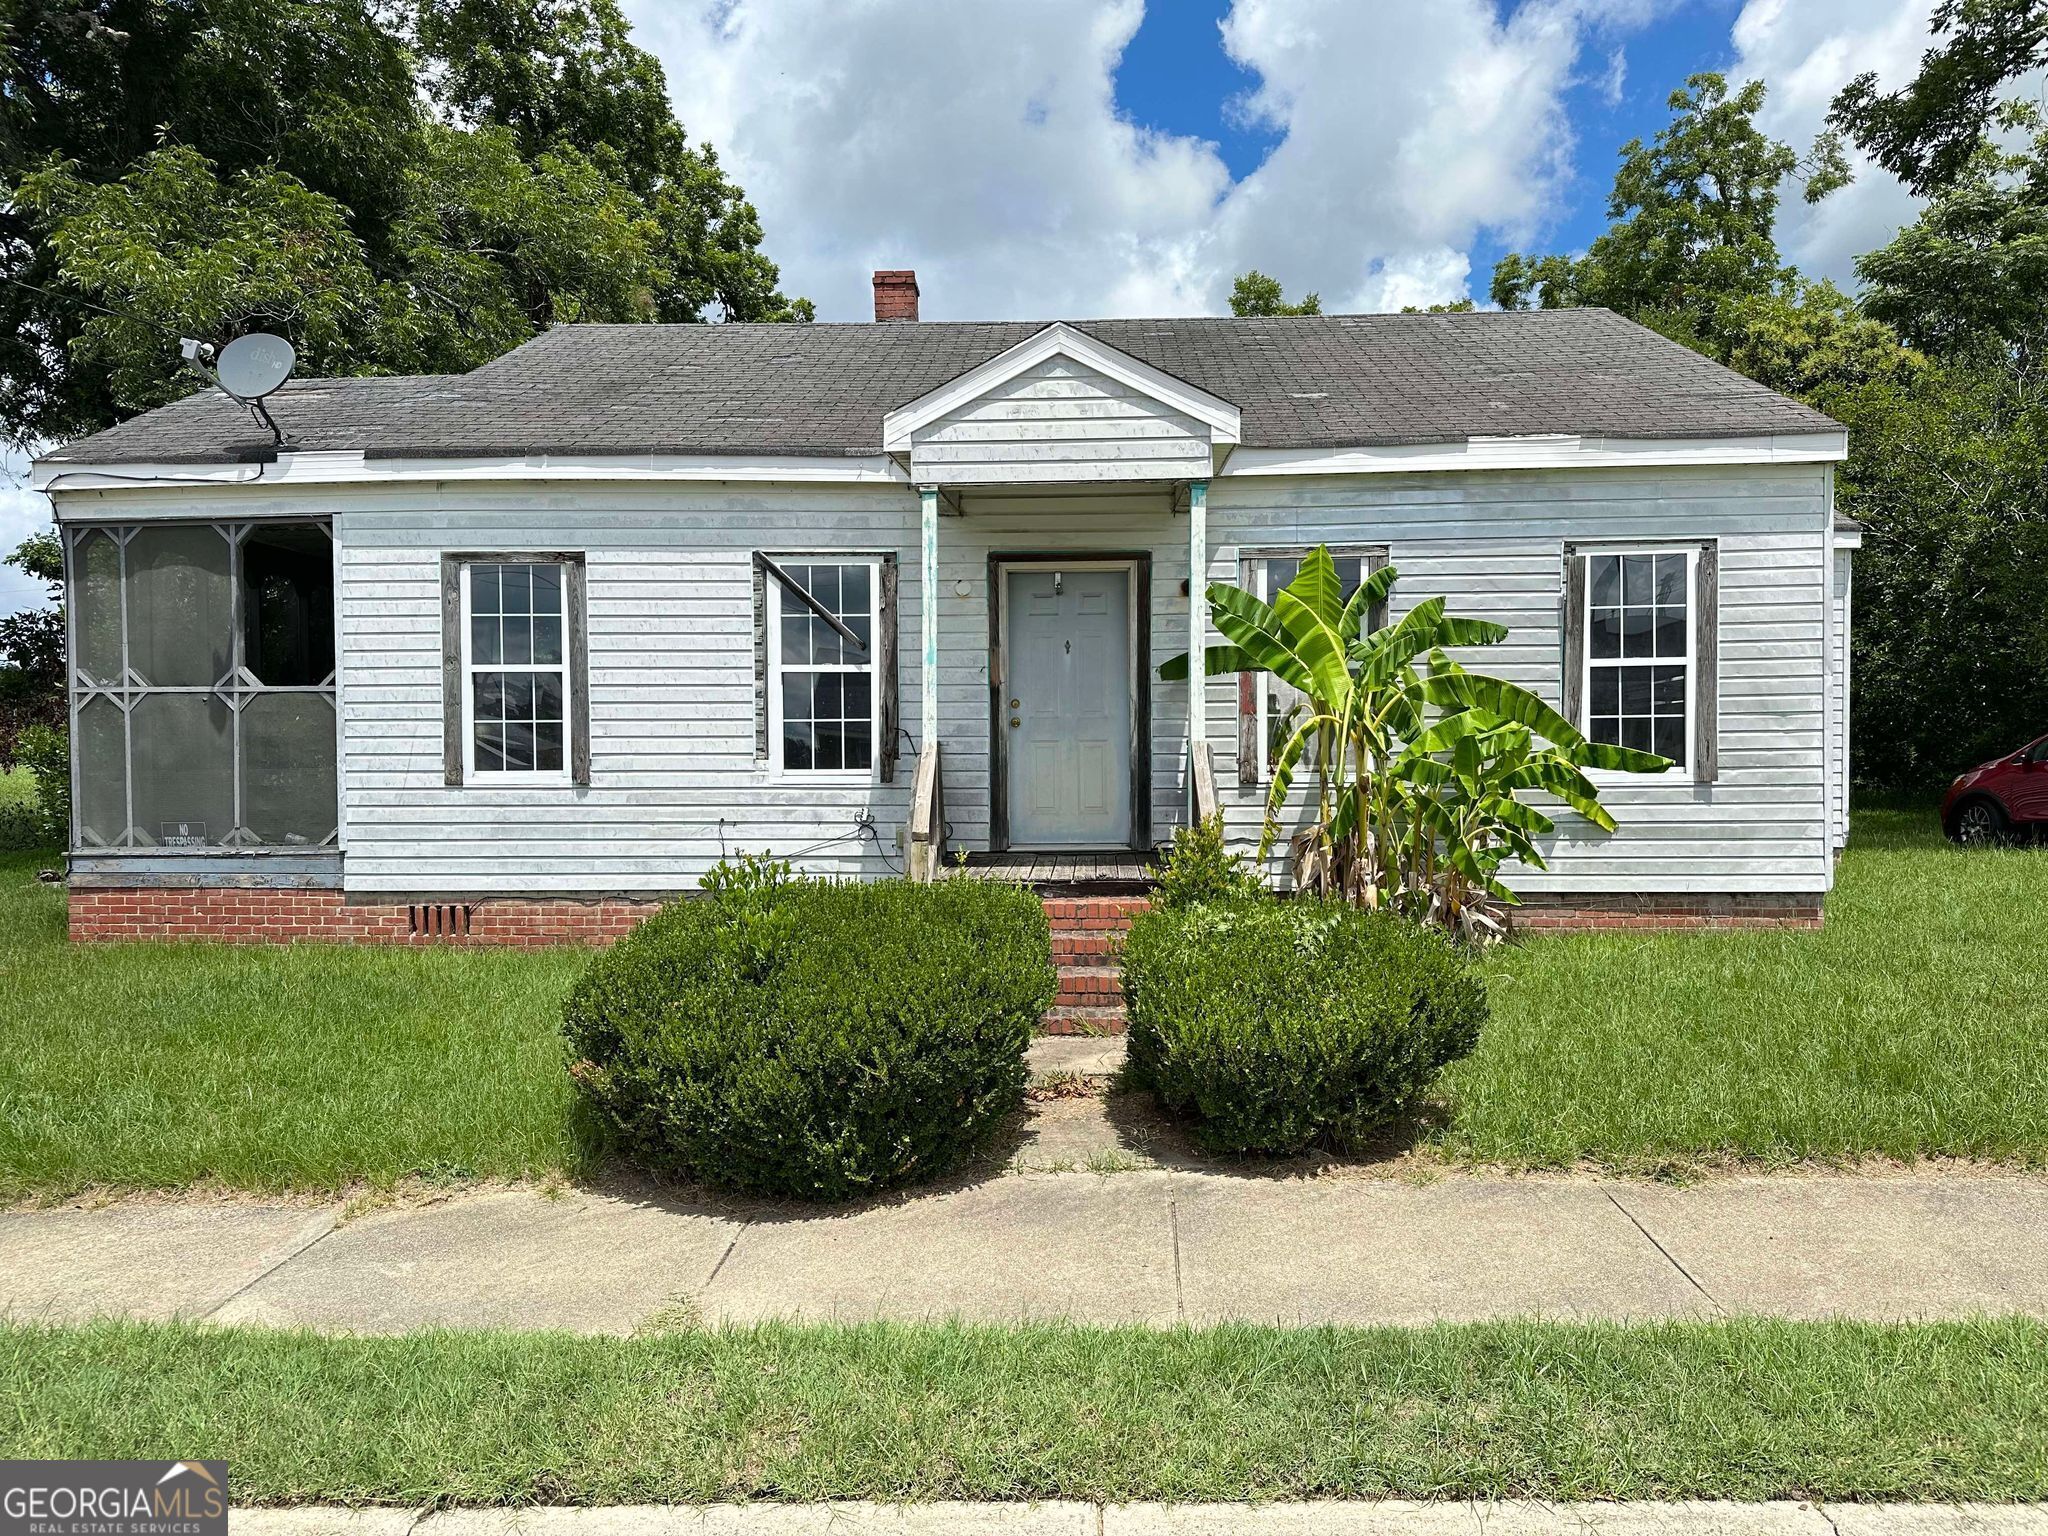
x: 1325, y: 381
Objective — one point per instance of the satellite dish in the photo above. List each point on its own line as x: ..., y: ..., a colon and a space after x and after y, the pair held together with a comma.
x: 252, y: 366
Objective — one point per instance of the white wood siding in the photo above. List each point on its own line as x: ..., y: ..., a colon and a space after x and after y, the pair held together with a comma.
x: 674, y: 779
x: 1060, y: 421
x: 1493, y: 545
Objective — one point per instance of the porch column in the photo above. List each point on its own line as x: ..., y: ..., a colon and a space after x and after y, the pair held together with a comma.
x: 1198, y: 623
x: 928, y: 619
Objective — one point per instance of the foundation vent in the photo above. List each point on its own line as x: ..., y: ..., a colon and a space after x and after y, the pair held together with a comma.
x: 438, y: 920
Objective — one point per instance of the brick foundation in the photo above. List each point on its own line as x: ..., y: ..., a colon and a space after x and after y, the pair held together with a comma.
x: 253, y: 916
x: 1666, y: 911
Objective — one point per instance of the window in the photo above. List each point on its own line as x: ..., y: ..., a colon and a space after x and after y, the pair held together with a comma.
x: 514, y: 684
x: 516, y: 669
x: 202, y: 683
x: 821, y: 670
x: 1275, y: 710
x: 1640, y: 650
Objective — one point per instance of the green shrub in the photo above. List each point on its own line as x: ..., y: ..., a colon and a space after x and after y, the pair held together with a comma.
x: 1201, y: 868
x: 43, y: 820
x: 1281, y: 1025
x: 787, y: 1037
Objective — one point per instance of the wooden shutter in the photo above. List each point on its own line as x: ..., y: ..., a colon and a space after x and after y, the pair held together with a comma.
x: 887, y: 648
x: 452, y: 754
x: 1706, y: 719
x: 576, y: 592
x: 1574, y: 636
x: 1250, y: 750
x: 760, y: 660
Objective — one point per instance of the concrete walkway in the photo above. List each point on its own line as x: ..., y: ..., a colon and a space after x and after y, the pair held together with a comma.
x: 1157, y: 1246
x: 1515, y: 1518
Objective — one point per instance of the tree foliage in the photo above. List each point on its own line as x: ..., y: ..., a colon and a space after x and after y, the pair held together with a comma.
x: 411, y: 188
x: 1255, y: 294
x: 1927, y: 134
x: 32, y: 652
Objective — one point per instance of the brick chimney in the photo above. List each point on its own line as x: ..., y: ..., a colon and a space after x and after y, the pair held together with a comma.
x: 896, y: 295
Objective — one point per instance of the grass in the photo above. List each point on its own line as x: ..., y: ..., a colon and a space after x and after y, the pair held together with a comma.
x: 159, y: 1065
x: 1914, y: 1023
x: 17, y: 787
x: 1751, y: 1410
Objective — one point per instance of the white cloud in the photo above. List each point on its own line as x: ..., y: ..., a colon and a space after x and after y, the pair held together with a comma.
x: 982, y: 144
x: 22, y: 512
x: 1805, y: 51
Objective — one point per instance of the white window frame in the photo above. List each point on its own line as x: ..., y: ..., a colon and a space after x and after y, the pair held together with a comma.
x: 1687, y: 771
x: 1263, y: 560
x: 776, y: 597
x: 518, y: 777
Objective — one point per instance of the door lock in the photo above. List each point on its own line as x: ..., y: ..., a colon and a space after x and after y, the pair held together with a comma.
x: 1013, y: 703
x: 1015, y: 722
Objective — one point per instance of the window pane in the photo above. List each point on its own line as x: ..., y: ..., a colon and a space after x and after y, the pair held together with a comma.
x: 184, y: 769
x: 853, y: 592
x: 483, y: 588
x: 860, y: 746
x: 1606, y: 728
x: 547, y: 641
x: 1671, y: 581
x: 1638, y: 631
x: 859, y: 697
x: 796, y: 697
x: 518, y: 639
x: 1279, y: 572
x: 490, y: 746
x: 547, y: 740
x: 1667, y: 686
x: 288, y: 768
x: 518, y: 687
x: 1670, y: 738
x: 1635, y: 690
x: 101, y: 752
x: 1635, y: 733
x: 1606, y: 691
x: 288, y: 604
x: 796, y: 633
x: 1670, y: 631
x: 826, y: 696
x: 547, y: 696
x: 1350, y: 575
x: 1606, y: 633
x: 796, y: 745
x: 488, y: 696
x: 1605, y: 581
x: 515, y: 582
x: 96, y: 606
x: 180, y: 625
x: 484, y: 647
x: 830, y: 750
x: 519, y: 752
x: 1637, y: 583
x: 547, y: 589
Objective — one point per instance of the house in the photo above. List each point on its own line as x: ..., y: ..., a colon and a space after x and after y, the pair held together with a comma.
x: 513, y: 653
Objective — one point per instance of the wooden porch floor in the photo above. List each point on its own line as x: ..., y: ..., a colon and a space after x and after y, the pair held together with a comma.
x: 1117, y: 868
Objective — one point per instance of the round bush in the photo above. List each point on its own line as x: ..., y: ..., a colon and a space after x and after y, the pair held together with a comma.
x: 1280, y: 1025
x: 814, y: 1040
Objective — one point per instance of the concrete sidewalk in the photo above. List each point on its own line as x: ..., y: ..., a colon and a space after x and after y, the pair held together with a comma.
x: 1157, y: 1246
x: 1391, y: 1518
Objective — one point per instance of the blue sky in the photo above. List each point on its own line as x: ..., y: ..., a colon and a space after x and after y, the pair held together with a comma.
x: 1176, y: 75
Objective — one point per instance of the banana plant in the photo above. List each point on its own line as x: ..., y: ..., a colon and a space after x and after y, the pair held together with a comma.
x: 1419, y: 762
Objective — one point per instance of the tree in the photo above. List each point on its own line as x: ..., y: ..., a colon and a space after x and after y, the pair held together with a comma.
x: 1927, y: 134
x: 32, y: 651
x: 404, y: 188
x: 1948, y: 468
x: 1695, y: 214
x: 1972, y: 270
x: 1255, y: 294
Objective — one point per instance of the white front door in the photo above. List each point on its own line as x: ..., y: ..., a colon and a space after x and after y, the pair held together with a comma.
x: 1066, y: 700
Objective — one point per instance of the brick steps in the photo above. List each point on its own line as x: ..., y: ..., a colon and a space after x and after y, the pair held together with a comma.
x: 1086, y: 934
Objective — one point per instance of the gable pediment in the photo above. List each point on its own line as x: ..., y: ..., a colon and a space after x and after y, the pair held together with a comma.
x: 1061, y: 406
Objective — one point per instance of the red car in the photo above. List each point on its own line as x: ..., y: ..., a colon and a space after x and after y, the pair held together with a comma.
x: 2002, y: 796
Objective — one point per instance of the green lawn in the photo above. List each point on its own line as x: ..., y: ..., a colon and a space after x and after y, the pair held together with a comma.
x: 1914, y: 1023
x: 1751, y: 1409
x: 17, y: 787
x: 154, y: 1065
